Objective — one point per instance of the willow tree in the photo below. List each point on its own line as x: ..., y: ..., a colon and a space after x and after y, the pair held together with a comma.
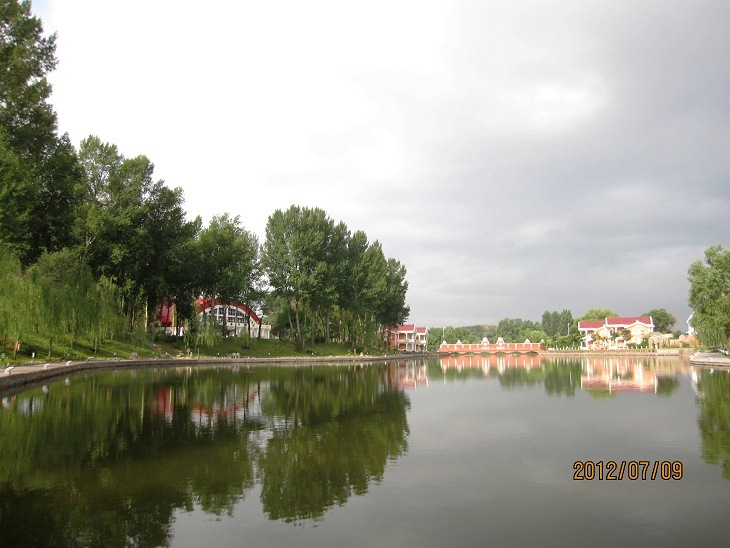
x: 709, y: 295
x: 15, y: 322
x: 107, y: 320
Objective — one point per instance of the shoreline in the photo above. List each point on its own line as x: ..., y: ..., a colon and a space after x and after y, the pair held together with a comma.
x: 23, y: 376
x: 26, y: 376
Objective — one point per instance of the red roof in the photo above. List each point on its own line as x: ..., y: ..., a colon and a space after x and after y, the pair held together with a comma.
x: 628, y: 320
x: 406, y: 327
x: 204, y: 304
x: 590, y: 325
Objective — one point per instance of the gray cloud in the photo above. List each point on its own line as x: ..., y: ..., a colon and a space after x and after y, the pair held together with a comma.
x: 516, y: 156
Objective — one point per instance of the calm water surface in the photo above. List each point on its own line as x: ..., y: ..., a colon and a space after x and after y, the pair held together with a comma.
x: 454, y: 452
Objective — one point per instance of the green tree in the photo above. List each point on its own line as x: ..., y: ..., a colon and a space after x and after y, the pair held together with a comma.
x: 663, y: 320
x: 709, y: 295
x: 39, y: 172
x: 229, y: 261
x: 392, y: 308
x: 131, y: 228
x: 15, y: 322
x: 295, y: 258
x: 597, y: 315
x: 364, y: 284
x: 555, y: 323
x: 16, y: 199
x: 26, y: 58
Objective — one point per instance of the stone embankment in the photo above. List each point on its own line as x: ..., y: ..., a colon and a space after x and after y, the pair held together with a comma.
x: 711, y: 359
x: 13, y: 377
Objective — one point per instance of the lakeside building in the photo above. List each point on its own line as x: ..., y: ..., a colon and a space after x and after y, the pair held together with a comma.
x: 238, y: 318
x: 485, y: 347
x: 615, y: 333
x: 407, y: 337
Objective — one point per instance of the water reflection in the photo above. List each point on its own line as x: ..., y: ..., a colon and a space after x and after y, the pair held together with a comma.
x: 116, y: 458
x: 108, y: 459
x: 600, y: 376
x: 713, y: 399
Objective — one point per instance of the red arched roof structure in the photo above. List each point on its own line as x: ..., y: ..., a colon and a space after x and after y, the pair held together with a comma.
x: 204, y: 304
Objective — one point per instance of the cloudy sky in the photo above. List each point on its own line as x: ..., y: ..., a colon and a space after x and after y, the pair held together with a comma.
x: 517, y: 156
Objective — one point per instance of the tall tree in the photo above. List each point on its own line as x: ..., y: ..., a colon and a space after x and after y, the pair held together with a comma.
x: 364, y: 283
x: 297, y: 257
x: 26, y: 58
x: 229, y: 256
x: 130, y: 226
x: 663, y: 320
x: 17, y: 197
x: 557, y: 323
x: 709, y: 295
x: 49, y: 178
x: 279, y: 263
x: 392, y: 308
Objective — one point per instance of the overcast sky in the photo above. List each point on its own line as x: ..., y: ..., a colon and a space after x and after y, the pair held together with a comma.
x: 517, y: 156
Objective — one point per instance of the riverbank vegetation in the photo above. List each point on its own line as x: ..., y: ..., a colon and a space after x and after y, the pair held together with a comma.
x: 556, y: 329
x: 91, y: 244
x: 709, y: 296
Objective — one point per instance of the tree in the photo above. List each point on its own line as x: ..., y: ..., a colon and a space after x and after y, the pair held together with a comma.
x: 297, y: 257
x: 14, y: 320
x: 131, y: 227
x: 663, y: 320
x: 16, y: 200
x: 39, y: 170
x: 364, y: 282
x: 709, y: 295
x: 229, y: 260
x: 556, y: 323
x: 597, y: 315
x: 392, y: 308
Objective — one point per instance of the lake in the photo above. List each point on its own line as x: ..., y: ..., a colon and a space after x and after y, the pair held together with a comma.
x: 443, y: 452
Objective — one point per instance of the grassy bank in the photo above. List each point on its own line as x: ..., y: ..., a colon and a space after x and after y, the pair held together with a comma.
x: 36, y: 350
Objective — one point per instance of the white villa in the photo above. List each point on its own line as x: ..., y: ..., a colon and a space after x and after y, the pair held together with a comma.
x: 615, y: 333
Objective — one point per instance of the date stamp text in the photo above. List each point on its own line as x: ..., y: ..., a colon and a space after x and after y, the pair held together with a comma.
x: 612, y: 470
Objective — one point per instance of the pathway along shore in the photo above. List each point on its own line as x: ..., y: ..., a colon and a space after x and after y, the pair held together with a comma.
x: 23, y: 376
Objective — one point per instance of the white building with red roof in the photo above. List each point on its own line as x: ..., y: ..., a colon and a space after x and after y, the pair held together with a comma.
x: 615, y: 333
x: 238, y: 317
x: 408, y: 338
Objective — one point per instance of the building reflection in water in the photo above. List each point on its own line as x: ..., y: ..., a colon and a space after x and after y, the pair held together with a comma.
x: 500, y: 362
x: 617, y: 375
x: 609, y: 374
x: 409, y: 374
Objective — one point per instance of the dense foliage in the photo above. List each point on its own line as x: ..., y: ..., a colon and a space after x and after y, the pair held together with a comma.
x: 91, y: 243
x: 709, y: 296
x: 338, y: 283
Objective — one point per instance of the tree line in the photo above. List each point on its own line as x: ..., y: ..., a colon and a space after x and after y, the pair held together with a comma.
x: 556, y: 329
x: 90, y: 229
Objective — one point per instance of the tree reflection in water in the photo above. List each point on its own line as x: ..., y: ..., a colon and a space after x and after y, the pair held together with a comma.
x: 713, y: 399
x: 109, y: 458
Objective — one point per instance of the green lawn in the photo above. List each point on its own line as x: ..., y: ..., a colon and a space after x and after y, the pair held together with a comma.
x: 163, y: 346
